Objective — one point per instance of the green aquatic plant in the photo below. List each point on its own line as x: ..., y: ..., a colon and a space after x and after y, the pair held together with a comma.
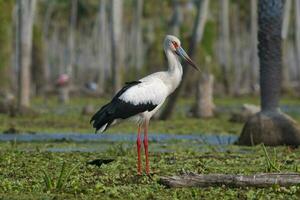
x: 270, y: 164
x: 22, y: 177
x: 62, y: 179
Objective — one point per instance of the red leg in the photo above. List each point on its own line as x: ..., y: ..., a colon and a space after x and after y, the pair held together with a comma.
x: 139, y: 144
x: 146, y: 146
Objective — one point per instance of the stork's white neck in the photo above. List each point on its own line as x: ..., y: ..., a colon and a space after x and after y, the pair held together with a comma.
x: 174, y: 71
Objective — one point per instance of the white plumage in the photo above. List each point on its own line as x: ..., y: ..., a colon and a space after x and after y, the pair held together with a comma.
x: 140, y: 100
x: 151, y: 90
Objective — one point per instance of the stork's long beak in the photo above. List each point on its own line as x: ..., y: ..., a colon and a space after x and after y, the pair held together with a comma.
x: 180, y: 52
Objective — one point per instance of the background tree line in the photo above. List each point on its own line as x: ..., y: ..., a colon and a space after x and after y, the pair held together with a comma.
x: 110, y: 42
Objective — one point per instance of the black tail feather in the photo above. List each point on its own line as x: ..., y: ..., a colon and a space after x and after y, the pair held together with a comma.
x: 119, y: 109
x: 102, y: 117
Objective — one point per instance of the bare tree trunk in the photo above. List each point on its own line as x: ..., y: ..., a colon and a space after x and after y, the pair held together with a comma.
x: 253, y: 57
x: 64, y: 91
x: 138, y: 42
x: 286, y: 18
x: 270, y: 126
x: 297, y: 34
x: 204, y: 96
x: 237, y: 51
x: 225, y: 50
x: 198, y: 29
x: 116, y: 43
x: 284, y: 35
x: 102, y: 46
x: 37, y: 62
x: 176, y: 19
x: 46, y: 25
x: 6, y: 10
x: 71, y: 41
x: 26, y: 9
x: 292, y: 60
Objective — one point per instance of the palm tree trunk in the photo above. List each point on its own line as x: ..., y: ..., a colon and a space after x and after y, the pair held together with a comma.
x: 270, y: 126
x: 270, y: 52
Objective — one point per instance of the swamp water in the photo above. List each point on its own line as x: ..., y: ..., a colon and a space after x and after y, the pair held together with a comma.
x: 72, y: 142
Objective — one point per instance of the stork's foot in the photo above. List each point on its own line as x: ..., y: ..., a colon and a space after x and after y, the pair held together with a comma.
x: 150, y: 174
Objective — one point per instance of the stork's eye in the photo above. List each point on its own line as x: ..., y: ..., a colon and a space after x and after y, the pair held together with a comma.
x: 175, y: 44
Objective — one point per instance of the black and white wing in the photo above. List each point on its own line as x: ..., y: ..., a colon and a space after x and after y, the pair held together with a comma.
x: 134, y: 98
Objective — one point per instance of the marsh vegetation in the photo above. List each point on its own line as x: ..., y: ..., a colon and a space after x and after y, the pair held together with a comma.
x: 59, y: 168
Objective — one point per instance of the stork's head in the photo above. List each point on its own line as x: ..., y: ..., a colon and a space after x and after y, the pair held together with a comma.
x: 173, y: 43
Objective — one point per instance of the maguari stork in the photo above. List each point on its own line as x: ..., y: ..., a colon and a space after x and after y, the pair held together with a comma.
x: 140, y: 100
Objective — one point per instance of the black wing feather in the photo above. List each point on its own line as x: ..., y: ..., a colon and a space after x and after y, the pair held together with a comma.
x: 119, y: 109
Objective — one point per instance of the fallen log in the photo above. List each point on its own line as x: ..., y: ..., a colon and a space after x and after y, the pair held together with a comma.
x: 231, y: 180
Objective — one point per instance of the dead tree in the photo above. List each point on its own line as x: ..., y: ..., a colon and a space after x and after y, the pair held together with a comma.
x: 102, y: 45
x: 26, y: 9
x: 64, y: 90
x: 238, y: 52
x: 225, y: 61
x: 204, y: 96
x: 38, y: 72
x: 284, y: 34
x: 297, y: 38
x: 198, y: 29
x: 253, y: 57
x: 6, y: 8
x: 176, y: 19
x: 270, y: 126
x: 116, y: 43
x: 138, y: 41
x: 71, y: 38
x: 45, y: 37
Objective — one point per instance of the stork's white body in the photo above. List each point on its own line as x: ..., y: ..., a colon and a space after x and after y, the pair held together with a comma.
x: 154, y: 88
x: 140, y: 100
